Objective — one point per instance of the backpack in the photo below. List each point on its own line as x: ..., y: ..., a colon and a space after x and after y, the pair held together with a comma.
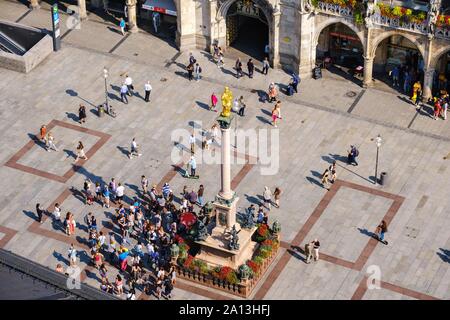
x: 200, y: 70
x: 356, y: 152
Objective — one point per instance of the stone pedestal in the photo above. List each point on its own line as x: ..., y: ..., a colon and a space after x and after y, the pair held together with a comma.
x: 34, y: 4
x: 82, y: 9
x: 132, y: 18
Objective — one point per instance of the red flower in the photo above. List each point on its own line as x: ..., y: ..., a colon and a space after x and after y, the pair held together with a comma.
x: 267, y: 242
x: 188, y: 261
x: 224, y: 271
x: 253, y: 266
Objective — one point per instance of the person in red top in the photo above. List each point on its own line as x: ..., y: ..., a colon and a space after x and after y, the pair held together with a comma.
x: 437, y: 109
x: 214, y: 101
x: 43, y: 132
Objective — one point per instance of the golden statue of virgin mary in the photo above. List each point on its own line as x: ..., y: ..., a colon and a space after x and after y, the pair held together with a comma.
x: 227, y: 100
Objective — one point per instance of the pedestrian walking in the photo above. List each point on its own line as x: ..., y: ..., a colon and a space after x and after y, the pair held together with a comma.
x: 308, y: 252
x: 272, y: 92
x: 214, y: 101
x: 192, y: 59
x: 352, y: 154
x: 148, y: 90
x: 266, y: 66
x: 80, y: 152
x: 51, y: 142
x: 267, y: 195
x: 417, y: 92
x: 72, y: 253
x: 82, y: 113
x: 39, y: 212
x: 122, y: 26
x: 250, y: 67
x: 190, y: 71
x: 144, y: 184
x: 200, y: 192
x: 192, y: 142
x: 332, y: 171
x: 43, y: 133
x: 276, y: 113
x: 325, y: 176
x: 215, y: 51
x: 197, y: 71
x: 381, y: 230
x: 241, y: 106
x: 295, y: 81
x: 134, y: 150
x: 238, y: 67
x: 316, y: 246
x: 123, y: 93
x: 129, y: 84
x: 220, y: 62
x: 276, y: 195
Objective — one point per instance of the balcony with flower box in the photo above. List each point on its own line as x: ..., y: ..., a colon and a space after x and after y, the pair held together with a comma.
x: 400, y: 18
x: 442, y: 30
x: 342, y: 8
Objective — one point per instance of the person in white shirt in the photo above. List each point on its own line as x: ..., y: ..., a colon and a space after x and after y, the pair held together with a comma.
x: 57, y: 212
x: 267, y: 197
x: 148, y: 89
x: 123, y: 93
x: 129, y: 84
x: 134, y: 149
x: 101, y: 240
x: 72, y: 255
x: 120, y: 191
x: 192, y: 142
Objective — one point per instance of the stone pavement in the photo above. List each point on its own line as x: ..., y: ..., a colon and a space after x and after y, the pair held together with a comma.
x: 318, y: 126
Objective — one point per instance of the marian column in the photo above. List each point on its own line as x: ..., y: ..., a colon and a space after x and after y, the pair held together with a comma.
x: 226, y: 200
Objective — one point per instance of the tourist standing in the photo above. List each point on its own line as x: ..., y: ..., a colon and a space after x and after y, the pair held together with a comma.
x: 144, y: 184
x: 250, y: 68
x: 57, y: 212
x: 190, y: 70
x: 267, y: 194
x: 266, y: 66
x: 192, y: 142
x: 120, y: 191
x: 332, y: 170
x: 238, y: 67
x: 106, y: 196
x: 214, y: 101
x: 352, y: 154
x: 308, y: 252
x: 437, y: 109
x: 148, y: 90
x: 241, y: 106
x: 417, y: 92
x: 200, y: 192
x: 129, y: 84
x: 82, y: 114
x: 277, y: 194
x: 220, y: 62
x: 193, y: 165
x: 39, y: 212
x: 316, y: 246
x: 72, y: 252
x: 272, y: 93
x: 197, y: 71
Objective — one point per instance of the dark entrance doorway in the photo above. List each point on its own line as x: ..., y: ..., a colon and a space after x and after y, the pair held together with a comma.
x: 247, y: 30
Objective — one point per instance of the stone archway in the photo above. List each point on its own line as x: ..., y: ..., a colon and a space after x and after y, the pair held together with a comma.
x: 271, y: 16
x: 385, y: 35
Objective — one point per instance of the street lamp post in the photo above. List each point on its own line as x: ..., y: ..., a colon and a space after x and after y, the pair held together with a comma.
x: 105, y: 75
x: 378, y: 142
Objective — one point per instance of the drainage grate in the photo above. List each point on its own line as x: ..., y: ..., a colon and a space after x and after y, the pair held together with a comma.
x: 351, y: 94
x: 411, y: 232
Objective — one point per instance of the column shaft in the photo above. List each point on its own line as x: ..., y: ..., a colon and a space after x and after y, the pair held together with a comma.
x: 225, y: 191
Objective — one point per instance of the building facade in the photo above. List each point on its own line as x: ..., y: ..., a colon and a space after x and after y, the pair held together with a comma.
x: 377, y: 34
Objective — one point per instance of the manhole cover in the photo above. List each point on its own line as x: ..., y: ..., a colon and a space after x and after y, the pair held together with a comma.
x: 412, y: 232
x: 351, y: 94
x: 163, y: 79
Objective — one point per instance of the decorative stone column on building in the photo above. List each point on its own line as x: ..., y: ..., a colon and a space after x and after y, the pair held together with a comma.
x: 34, y: 4
x: 368, y: 70
x: 186, y: 24
x: 428, y: 84
x: 307, y: 45
x: 82, y: 9
x: 276, y: 39
x: 132, y: 17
